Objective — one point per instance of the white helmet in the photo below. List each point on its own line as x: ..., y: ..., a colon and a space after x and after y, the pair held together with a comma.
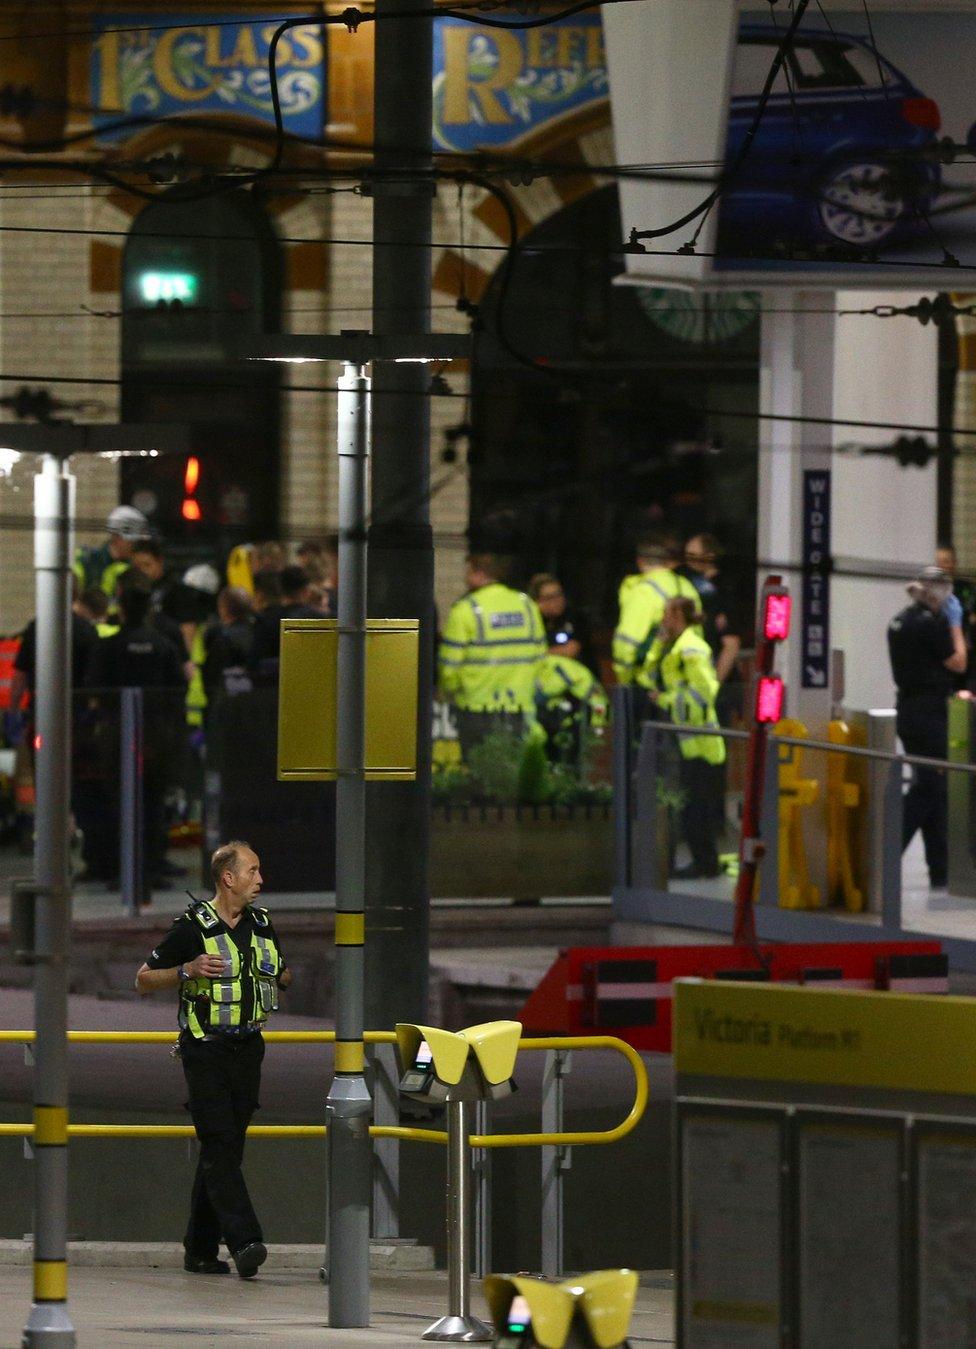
x: 202, y: 577
x: 128, y: 522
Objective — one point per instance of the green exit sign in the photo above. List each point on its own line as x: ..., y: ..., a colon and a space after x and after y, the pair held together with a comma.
x: 165, y: 286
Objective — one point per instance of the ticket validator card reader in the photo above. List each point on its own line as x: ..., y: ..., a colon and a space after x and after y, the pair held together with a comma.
x: 474, y: 1064
x: 592, y: 1311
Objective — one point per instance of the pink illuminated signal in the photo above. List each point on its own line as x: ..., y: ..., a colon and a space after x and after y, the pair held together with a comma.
x: 769, y: 699
x: 776, y: 619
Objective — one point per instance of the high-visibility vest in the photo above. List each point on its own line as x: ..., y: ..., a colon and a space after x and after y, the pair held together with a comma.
x: 561, y: 677
x: 259, y: 967
x: 643, y: 598
x: 196, y: 694
x: 239, y: 568
x: 684, y: 674
x: 95, y: 567
x: 491, y: 646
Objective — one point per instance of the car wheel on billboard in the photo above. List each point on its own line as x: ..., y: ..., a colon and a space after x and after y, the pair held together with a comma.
x: 862, y: 204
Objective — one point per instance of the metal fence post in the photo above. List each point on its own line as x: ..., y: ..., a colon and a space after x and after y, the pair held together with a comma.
x: 459, y: 1326
x: 891, y: 849
x: 881, y: 736
x: 386, y: 1151
x: 644, y: 863
x: 132, y: 860
x: 556, y: 1161
x: 482, y: 1193
x: 622, y: 729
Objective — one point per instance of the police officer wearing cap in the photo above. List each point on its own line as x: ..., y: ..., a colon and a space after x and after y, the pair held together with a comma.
x: 223, y: 957
x: 926, y: 651
x: 105, y: 565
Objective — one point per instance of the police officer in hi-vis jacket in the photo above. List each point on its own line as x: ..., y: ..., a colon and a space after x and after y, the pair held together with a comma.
x: 222, y: 957
x: 491, y: 646
x: 680, y: 675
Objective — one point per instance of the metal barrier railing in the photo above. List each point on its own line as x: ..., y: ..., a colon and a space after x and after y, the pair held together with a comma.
x: 638, y: 762
x: 555, y: 1143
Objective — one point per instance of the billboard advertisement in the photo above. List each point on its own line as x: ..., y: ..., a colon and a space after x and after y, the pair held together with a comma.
x: 845, y: 180
x: 203, y: 65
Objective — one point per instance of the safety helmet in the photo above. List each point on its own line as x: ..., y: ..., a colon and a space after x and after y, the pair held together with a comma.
x: 202, y: 577
x: 128, y: 522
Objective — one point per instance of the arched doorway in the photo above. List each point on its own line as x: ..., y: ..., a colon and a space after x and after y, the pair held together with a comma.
x: 197, y: 277
x: 624, y: 431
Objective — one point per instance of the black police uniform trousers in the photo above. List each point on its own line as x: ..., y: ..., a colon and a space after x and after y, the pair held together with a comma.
x: 702, y: 814
x: 923, y: 728
x: 223, y: 1075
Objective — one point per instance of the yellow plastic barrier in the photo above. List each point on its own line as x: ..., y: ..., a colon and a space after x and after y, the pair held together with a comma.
x: 795, y: 793
x: 581, y: 1138
x: 845, y: 809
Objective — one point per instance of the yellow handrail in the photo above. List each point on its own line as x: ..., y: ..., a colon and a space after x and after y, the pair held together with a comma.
x: 579, y: 1139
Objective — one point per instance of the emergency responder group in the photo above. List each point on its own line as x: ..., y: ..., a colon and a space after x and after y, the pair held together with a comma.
x: 516, y: 661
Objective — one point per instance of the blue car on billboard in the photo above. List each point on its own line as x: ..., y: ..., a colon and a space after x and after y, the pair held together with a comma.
x: 835, y: 159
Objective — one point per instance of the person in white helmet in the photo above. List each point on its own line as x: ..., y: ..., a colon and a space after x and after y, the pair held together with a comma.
x: 103, y: 566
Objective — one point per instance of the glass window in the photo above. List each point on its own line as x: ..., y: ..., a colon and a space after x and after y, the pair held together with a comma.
x: 752, y: 64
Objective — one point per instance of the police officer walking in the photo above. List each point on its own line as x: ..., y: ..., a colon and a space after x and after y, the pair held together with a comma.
x: 491, y: 646
x: 925, y: 653
x: 223, y: 957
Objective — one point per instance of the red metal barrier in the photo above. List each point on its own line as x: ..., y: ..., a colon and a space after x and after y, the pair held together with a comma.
x: 626, y: 990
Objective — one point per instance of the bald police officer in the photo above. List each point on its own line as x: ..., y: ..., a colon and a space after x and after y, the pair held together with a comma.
x: 223, y: 958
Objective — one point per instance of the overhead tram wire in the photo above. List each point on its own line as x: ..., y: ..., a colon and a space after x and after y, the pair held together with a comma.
x: 729, y: 414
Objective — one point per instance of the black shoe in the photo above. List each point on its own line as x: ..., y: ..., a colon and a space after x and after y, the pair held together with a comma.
x: 199, y: 1265
x: 249, y: 1258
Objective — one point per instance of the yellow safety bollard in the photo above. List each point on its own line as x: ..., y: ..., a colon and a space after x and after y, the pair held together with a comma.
x: 795, y: 793
x: 845, y: 810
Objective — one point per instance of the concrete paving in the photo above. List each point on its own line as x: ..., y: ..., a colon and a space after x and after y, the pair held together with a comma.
x: 113, y: 1307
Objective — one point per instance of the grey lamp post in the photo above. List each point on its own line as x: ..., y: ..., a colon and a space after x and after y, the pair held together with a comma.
x: 348, y: 1104
x: 49, y: 1323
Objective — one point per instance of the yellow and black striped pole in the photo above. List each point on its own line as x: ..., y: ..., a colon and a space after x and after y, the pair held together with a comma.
x: 349, y: 1107
x: 49, y: 1324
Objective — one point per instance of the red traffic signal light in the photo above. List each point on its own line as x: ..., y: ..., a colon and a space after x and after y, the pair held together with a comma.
x: 770, y: 695
x: 776, y: 616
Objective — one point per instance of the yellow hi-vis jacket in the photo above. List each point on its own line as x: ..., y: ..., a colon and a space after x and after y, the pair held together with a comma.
x: 559, y: 677
x: 642, y: 598
x: 684, y: 675
x: 490, y: 649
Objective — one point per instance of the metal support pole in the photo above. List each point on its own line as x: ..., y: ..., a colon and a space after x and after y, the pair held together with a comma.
x: 348, y: 1105
x: 132, y: 859
x: 459, y: 1326
x: 482, y: 1194
x: 556, y: 1161
x: 769, y: 827
x: 400, y: 537
x: 386, y: 1151
x: 49, y: 1323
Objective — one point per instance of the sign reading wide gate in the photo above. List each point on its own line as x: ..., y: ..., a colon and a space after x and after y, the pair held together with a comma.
x: 156, y: 66
x: 494, y: 86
